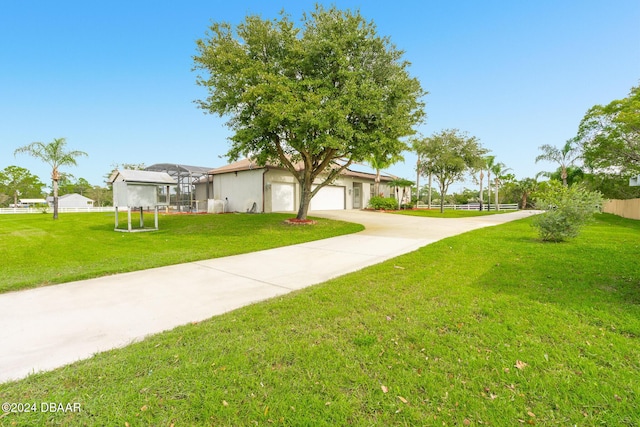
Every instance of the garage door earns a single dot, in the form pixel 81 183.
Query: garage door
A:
pixel 330 197
pixel 281 197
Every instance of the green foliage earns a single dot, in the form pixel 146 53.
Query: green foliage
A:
pixel 311 99
pixel 610 134
pixel 564 156
pixel 572 174
pixel 68 186
pixel 520 192
pixel 101 196
pixel 55 155
pixel 448 155
pixel 466 196
pixel 16 179
pixel 384 203
pixel 568 209
pixel 612 186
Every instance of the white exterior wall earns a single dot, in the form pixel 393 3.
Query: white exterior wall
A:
pixel 280 176
pixel 74 201
pixel 200 195
pixel 248 186
pixel 240 190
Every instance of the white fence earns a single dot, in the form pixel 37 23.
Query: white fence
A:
pixel 472 207
pixel 50 210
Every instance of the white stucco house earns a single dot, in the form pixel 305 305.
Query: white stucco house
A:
pixel 239 185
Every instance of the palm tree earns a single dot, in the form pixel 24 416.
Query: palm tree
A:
pixel 481 181
pixel 564 156
pixel 498 170
pixel 479 168
pixel 489 162
pixel 525 187
pixel 54 155
pixel 398 183
pixel 380 161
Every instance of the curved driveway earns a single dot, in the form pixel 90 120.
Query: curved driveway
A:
pixel 48 327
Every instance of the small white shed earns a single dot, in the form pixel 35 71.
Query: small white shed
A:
pixel 140 189
pixel 73 200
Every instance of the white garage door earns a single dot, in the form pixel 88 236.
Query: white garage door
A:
pixel 330 197
pixel 281 197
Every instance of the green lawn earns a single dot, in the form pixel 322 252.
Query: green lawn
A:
pixel 491 327
pixel 448 213
pixel 36 250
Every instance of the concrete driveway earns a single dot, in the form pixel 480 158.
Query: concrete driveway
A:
pixel 48 327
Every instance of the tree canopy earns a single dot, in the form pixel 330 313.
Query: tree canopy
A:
pixel 55 155
pixel 448 155
pixel 610 135
pixel 17 182
pixel 312 99
pixel 564 156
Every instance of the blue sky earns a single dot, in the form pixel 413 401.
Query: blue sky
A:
pixel 115 77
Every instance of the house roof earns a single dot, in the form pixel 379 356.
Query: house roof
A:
pixel 246 164
pixel 74 195
pixel 142 177
pixel 240 165
pixel 32 200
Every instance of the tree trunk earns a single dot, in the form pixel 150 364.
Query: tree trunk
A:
pixel 55 176
pixel 496 194
pixel 376 186
pixel 488 191
pixel 442 194
pixel 564 176
pixel 305 199
pixel 55 199
pixel 417 182
pixel 523 200
pixel 481 196
pixel 429 192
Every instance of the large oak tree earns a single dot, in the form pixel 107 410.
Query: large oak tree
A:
pixel 312 99
pixel 610 135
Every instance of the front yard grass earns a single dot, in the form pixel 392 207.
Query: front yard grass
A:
pixel 491 327
pixel 36 250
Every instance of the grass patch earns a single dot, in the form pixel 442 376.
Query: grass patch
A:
pixel 448 213
pixel 489 327
pixel 36 250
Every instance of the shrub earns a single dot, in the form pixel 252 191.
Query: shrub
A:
pixel 386 203
pixel 567 210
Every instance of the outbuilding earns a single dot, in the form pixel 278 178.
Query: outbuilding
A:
pixel 72 200
pixel 142 190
